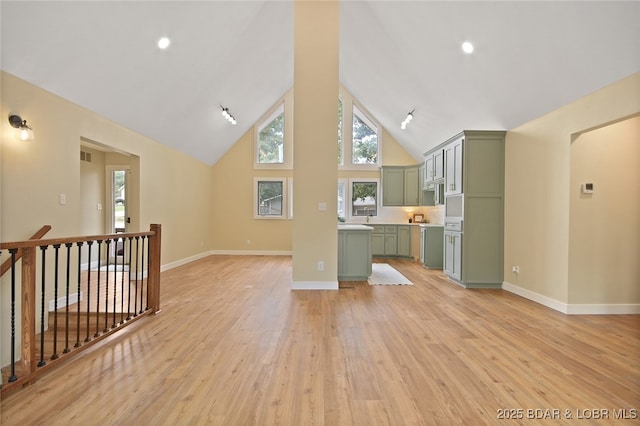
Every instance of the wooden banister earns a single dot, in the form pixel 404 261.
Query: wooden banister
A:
pixel 6 265
pixel 138 283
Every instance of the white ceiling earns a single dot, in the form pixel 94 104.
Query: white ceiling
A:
pixel 530 58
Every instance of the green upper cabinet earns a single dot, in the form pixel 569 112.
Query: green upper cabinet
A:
pixel 453 168
pixel 434 167
pixel 392 186
pixel 400 185
pixel 411 185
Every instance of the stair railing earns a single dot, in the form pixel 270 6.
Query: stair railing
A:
pixel 7 264
pixel 115 281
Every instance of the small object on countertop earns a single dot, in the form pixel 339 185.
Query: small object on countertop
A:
pixel 410 220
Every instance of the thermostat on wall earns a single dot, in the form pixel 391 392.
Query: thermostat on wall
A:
pixel 587 188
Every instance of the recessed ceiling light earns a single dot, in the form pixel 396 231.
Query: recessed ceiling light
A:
pixel 164 42
pixel 467 47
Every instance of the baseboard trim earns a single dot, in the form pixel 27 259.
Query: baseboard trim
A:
pixel 253 252
pixel 603 309
pixel 184 261
pixel 573 309
pixel 535 297
pixel 62 301
pixel 314 285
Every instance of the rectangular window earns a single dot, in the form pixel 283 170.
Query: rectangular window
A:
pixel 364 198
pixel 365 139
pixel 270 198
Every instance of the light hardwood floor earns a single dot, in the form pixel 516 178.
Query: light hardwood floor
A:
pixel 234 345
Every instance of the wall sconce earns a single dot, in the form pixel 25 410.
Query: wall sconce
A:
pixel 407 120
pixel 227 115
pixel 23 131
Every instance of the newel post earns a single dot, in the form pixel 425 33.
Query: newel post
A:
pixel 155 244
pixel 29 308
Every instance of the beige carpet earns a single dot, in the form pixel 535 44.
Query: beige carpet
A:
pixel 385 274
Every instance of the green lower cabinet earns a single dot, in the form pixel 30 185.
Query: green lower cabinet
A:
pixel 391 240
pixel 404 241
pixel 377 244
pixel 431 247
pixel 354 255
pixel 453 254
pixel 390 244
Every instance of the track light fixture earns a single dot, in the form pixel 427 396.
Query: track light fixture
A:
pixel 226 114
pixel 23 131
pixel 407 120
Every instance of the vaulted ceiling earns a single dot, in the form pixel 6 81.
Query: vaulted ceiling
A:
pixel 529 58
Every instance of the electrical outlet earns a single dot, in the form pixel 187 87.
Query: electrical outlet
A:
pixel 320 265
pixel 515 269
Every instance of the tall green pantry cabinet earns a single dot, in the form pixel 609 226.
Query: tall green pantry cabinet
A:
pixel 474 208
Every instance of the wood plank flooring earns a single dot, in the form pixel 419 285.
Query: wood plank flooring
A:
pixel 234 345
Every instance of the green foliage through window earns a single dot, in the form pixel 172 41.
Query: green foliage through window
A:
pixel 271 141
pixel 364 196
pixel 365 141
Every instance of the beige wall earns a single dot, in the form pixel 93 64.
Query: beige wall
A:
pixel 174 190
pixel 235 229
pixel 604 230
pixel 538 189
pixel 92 193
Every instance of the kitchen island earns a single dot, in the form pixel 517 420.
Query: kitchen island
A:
pixel 354 252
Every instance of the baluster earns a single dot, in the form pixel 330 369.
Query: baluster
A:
pixel 79 245
pixel 106 289
pixel 122 284
pixel 135 297
pixel 148 271
pixel 143 279
pixel 115 281
pixel 98 289
pixel 42 362
pixel 129 283
pixel 13 377
pixel 89 244
pixel 66 325
pixel 55 355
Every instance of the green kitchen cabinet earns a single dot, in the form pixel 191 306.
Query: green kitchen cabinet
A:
pixel 400 185
pixel 404 241
pixel 391 240
pixel 453 254
pixel 453 168
pixel 392 186
pixel 474 208
pixel 354 253
pixel 431 246
pixel 434 166
pixel 411 185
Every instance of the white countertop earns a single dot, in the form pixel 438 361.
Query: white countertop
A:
pixel 390 223
pixel 353 227
pixel 427 225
